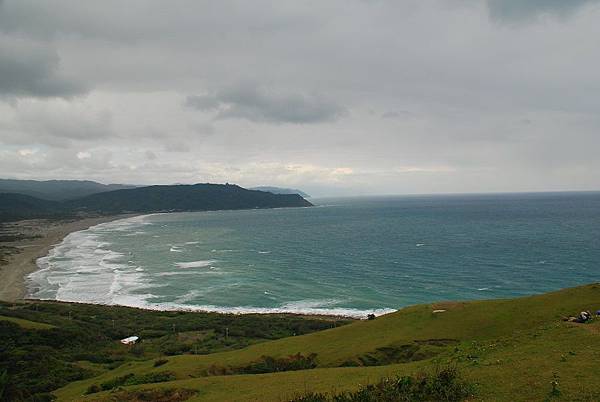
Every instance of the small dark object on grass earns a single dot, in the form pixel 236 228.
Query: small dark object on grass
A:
pixel 371 317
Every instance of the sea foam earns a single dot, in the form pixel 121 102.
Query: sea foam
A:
pixel 195 264
pixel 84 269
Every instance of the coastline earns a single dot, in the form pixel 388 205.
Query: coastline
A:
pixel 40 236
pixel 36 237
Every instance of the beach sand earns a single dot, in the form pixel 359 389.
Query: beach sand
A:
pixel 35 239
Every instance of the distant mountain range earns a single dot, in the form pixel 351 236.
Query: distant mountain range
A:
pixel 280 190
pixel 57 190
pixel 172 198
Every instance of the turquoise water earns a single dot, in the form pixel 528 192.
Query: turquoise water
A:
pixel 346 256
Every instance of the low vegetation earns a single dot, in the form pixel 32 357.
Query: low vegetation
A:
pixel 404 353
pixel 268 364
pixel 46 345
pixel 444 385
pixel 150 395
pixel 131 379
pixel 500 350
pixel 173 198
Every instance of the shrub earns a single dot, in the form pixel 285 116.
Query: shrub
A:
pixel 154 395
pixel 3 382
pixel 137 350
pixel 43 397
pixel 443 385
pixel 92 389
pixel 160 362
pixel 268 364
pixel 132 379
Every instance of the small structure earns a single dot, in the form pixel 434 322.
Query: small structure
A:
pixel 130 341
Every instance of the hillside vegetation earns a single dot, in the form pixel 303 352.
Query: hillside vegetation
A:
pixel 518 349
pixel 20 206
pixel 45 345
pixel 495 350
pixel 197 197
pixel 57 190
pixel 281 190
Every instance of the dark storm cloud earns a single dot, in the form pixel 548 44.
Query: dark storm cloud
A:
pixel 32 70
pixel 524 10
pixel 262 105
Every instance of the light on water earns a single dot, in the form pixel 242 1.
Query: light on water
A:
pixel 345 256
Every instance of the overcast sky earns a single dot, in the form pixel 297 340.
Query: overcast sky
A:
pixel 333 97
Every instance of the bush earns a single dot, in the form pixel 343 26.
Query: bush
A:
pixel 43 397
pixel 268 364
pixel 132 379
pixel 443 385
pixel 137 350
pixel 3 382
pixel 92 389
pixel 154 395
pixel 160 362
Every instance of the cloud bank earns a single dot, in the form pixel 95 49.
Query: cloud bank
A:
pixel 261 105
pixel 334 97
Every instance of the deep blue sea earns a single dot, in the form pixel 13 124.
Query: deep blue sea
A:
pixel 345 256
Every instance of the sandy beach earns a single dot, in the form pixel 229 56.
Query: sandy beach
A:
pixel 34 239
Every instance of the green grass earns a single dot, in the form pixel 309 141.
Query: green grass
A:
pixel 46 345
pixel 26 323
pixel 510 349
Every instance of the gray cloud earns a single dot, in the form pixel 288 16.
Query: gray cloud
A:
pixel 28 69
pixel 525 10
pixel 503 93
pixel 55 123
pixel 263 105
pixel 396 114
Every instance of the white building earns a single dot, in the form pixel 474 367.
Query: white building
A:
pixel 130 341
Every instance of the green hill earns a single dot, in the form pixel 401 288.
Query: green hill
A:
pixel 21 206
pixel 516 349
pixel 197 197
pixel 281 190
pixel 46 345
pixel 57 190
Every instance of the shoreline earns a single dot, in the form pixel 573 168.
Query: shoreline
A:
pixel 40 237
pixel 36 237
pixel 326 317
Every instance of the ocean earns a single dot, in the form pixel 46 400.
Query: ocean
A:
pixel 345 256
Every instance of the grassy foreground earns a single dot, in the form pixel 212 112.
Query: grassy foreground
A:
pixel 517 349
pixel 46 345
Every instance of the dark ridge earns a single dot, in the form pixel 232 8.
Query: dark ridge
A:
pixel 20 206
pixel 57 190
pixel 281 190
pixel 174 198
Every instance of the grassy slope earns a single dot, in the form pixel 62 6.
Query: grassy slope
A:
pixel 26 323
pixel 508 347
